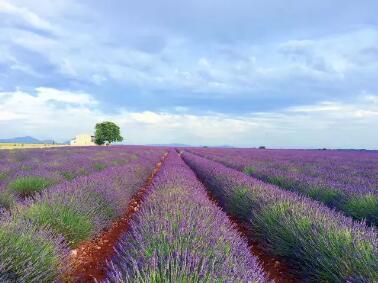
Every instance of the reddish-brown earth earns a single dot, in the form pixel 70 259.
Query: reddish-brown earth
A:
pixel 88 261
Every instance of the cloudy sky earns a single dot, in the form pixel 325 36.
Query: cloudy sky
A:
pixel 241 72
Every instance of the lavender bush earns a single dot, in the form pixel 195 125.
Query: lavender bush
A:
pixel 22 170
pixel 30 254
pixel 179 235
pixel 83 207
pixel 347 181
pixel 320 244
pixel 72 211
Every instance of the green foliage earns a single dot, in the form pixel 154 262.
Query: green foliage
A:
pixel 249 170
pixel 68 175
pixel 28 256
pixel 273 219
pixel 333 252
pixel 99 166
pixel 363 207
pixel 119 161
pixel 342 255
pixel 6 200
pixel 28 185
pixel 107 132
pixel 104 207
pixel 282 182
pixel 329 196
pixel 3 175
pixel 62 219
pixel 240 203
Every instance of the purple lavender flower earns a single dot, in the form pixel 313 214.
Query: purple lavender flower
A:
pixel 179 234
pixel 321 244
pixel 56 165
pixel 347 181
pixel 35 233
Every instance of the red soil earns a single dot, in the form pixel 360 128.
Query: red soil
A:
pixel 88 261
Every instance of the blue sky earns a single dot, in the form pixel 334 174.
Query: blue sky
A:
pixel 243 72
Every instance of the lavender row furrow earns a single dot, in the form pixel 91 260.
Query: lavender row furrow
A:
pixel 319 243
pixel 68 214
pixel 346 181
pixel 179 235
pixel 26 172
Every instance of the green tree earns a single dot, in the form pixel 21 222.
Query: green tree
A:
pixel 107 132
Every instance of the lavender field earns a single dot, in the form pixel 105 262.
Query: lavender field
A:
pixel 344 180
pixel 162 214
pixel 188 141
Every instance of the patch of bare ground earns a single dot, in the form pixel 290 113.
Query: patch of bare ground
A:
pixel 88 261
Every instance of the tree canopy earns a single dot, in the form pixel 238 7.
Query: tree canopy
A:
pixel 107 132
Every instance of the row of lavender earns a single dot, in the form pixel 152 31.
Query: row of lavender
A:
pixel 25 172
pixel 345 180
pixel 179 235
pixel 37 234
pixel 319 243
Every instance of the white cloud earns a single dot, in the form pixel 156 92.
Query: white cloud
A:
pixel 364 107
pixel 327 124
pixel 336 54
pixel 45 94
pixel 99 55
pixel 321 107
pixel 23 113
pixel 371 98
pixel 26 15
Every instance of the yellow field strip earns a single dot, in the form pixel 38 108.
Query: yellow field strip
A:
pixel 25 145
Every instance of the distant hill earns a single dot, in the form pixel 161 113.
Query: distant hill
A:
pixel 27 140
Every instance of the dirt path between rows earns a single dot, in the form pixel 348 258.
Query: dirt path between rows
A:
pixel 89 260
pixel 274 268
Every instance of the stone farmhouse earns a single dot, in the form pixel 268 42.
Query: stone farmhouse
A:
pixel 83 140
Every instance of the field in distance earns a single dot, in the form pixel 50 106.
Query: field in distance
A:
pixel 26 145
